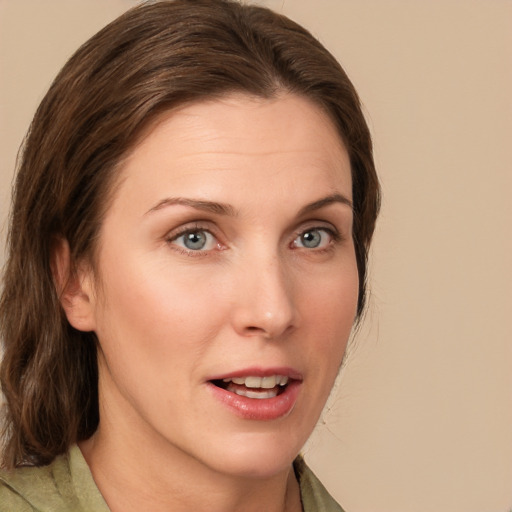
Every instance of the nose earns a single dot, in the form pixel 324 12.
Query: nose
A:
pixel 265 303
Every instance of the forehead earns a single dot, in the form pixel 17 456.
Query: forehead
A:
pixel 218 147
pixel 248 115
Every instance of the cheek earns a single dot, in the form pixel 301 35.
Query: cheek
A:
pixel 332 299
pixel 156 310
pixel 330 313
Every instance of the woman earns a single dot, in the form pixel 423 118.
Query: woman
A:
pixel 187 257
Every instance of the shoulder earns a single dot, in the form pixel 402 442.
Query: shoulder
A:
pixel 315 497
pixel 29 488
pixel 64 485
pixel 10 500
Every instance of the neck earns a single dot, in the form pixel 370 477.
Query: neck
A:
pixel 167 479
pixel 136 467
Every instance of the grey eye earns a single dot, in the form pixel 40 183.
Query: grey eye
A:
pixel 194 241
pixel 313 238
pixel 198 240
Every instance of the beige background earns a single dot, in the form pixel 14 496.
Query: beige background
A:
pixel 422 420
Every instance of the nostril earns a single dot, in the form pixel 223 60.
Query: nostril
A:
pixel 252 330
pixel 267 333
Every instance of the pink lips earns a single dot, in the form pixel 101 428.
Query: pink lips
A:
pixel 260 409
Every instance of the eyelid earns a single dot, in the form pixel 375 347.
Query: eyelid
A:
pixel 186 228
pixel 192 227
pixel 318 224
pixel 333 231
pixel 336 235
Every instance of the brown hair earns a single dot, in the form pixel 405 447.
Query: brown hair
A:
pixel 153 58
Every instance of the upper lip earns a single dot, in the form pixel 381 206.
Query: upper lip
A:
pixel 289 372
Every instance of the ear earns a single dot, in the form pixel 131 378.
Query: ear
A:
pixel 75 287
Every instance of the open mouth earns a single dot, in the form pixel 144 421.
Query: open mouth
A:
pixel 254 387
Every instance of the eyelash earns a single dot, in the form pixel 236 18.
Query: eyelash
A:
pixel 334 234
pixel 172 237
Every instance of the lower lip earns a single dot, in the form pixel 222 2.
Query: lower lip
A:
pixel 260 409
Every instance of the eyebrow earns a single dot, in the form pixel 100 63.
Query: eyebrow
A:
pixel 226 209
pixel 206 206
pixel 326 201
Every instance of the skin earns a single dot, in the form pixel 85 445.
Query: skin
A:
pixel 169 318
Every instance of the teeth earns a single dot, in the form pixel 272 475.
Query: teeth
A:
pixel 255 382
pixel 268 382
pixel 271 393
pixel 259 382
pixel 237 380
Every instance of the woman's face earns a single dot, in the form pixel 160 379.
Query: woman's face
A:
pixel 226 285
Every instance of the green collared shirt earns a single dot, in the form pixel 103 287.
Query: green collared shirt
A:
pixel 66 485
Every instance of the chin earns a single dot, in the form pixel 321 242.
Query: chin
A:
pixel 258 456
